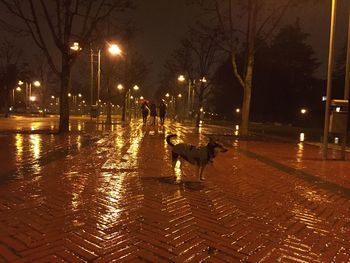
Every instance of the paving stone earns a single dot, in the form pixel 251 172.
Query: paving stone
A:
pixel 114 200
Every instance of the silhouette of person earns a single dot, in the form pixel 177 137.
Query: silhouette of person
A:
pixel 145 111
pixel 162 111
pixel 153 109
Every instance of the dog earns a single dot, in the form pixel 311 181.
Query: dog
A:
pixel 197 155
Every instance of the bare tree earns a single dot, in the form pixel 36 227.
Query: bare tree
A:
pixel 263 17
pixel 198 57
pixel 11 65
pixel 47 80
pixel 59 23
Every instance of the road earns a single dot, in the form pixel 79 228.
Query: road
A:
pixel 105 195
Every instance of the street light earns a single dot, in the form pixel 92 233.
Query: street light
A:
pixel 120 87
pixel 28 91
pixel 181 78
pixel 113 50
pixel 329 79
pixel 75 46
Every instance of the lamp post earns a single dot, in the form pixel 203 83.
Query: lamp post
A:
pixel 346 89
pixel 181 78
pixel 329 79
pixel 136 89
pixel 113 50
pixel 28 92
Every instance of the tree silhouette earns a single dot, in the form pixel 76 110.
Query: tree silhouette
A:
pixel 57 23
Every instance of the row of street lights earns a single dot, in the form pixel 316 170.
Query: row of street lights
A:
pixel 28 97
pixel 191 91
pixel 114 50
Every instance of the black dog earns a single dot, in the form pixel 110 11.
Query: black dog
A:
pixel 197 155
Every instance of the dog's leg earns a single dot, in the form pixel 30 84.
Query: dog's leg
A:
pixel 201 172
pixel 174 157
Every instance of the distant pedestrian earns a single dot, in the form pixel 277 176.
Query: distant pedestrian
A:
pixel 145 111
pixel 153 109
pixel 162 111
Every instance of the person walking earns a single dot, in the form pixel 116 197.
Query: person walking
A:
pixel 153 113
pixel 145 111
pixel 162 111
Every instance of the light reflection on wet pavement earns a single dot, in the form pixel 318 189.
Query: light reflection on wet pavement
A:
pixel 114 196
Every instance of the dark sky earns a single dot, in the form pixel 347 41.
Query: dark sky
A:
pixel 164 23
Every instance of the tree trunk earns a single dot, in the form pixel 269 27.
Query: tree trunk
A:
pixel 200 105
pixel 246 107
pixel 7 102
pixel 248 79
pixel 124 106
pixel 64 103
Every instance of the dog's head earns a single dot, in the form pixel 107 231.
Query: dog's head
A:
pixel 214 148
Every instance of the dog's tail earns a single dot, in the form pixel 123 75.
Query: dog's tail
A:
pixel 168 139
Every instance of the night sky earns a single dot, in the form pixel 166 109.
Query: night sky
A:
pixel 164 22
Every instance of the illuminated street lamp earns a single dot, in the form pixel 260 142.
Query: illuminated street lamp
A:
pixel 181 78
pixel 75 47
pixel 113 50
pixel 18 89
pixel 32 98
pixel 329 79
pixel 204 80
pixel 303 111
pixel 28 91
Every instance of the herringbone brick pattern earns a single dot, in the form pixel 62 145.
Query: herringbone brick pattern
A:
pixel 117 201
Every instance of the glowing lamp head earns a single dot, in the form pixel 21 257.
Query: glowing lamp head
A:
pixel 114 49
pixel 181 78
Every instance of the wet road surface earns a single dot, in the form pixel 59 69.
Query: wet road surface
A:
pixel 114 196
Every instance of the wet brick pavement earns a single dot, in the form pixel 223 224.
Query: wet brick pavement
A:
pixel 117 198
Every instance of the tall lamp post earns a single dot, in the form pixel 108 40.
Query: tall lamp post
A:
pixel 113 50
pixel 181 78
pixel 329 79
pixel 28 92
pixel 346 89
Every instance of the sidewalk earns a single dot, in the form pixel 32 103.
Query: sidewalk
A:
pixel 119 199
